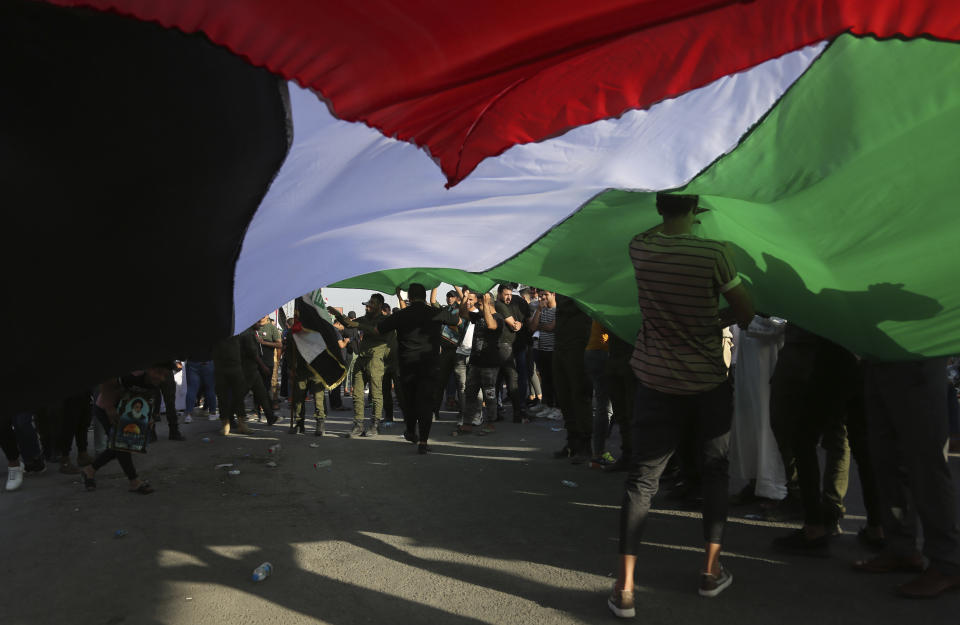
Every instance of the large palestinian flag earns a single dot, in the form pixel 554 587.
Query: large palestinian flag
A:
pixel 212 158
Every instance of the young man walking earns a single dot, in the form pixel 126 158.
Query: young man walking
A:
pixel 418 327
pixel 682 381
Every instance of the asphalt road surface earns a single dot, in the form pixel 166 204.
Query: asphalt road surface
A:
pixel 479 531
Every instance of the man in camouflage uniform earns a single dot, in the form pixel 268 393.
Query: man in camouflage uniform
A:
pixel 304 382
pixel 370 366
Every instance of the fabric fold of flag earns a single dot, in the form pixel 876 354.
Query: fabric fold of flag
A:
pixel 316 340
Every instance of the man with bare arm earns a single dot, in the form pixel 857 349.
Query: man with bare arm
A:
pixel 682 381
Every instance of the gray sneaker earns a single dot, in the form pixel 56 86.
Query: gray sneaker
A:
pixel 356 431
pixel 621 604
pixel 712 585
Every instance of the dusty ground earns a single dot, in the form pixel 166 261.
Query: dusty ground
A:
pixel 480 531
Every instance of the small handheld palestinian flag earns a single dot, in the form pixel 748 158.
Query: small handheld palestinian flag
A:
pixel 316 340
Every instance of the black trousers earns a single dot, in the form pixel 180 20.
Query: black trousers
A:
pixel 8 440
pixel 418 383
pixel 447 362
pixel 231 389
pixel 545 367
pixel 659 422
pixel 253 380
pixel 284 378
pixel 265 377
pixel 77 415
pixel 391 381
pixel 508 369
pixel 811 386
pixel 622 387
pixel 907 421
pixel 168 390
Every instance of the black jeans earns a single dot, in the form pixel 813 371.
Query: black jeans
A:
pixel 123 457
pixel 419 382
pixel 508 368
pixel 480 379
pixel 544 362
pixel 659 421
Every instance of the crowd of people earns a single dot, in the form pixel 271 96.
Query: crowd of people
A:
pixel 688 415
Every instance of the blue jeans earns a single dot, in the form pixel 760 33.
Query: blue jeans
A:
pixel 200 373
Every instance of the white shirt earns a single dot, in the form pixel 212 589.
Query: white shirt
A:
pixel 466 345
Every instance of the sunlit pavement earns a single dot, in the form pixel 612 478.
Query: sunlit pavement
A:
pixel 480 531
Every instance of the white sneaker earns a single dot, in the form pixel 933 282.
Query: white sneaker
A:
pixel 187 419
pixel 536 409
pixel 555 414
pixel 213 417
pixel 14 477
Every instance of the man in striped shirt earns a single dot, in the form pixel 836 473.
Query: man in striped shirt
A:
pixel 678 362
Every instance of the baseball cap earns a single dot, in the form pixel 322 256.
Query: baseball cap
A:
pixel 374 296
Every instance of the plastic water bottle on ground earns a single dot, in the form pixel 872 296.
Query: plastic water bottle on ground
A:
pixel 274 452
pixel 262 572
pixel 322 464
pixel 568 483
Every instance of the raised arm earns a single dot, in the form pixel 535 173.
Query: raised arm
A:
pixel 488 312
pixel 339 316
pixel 464 311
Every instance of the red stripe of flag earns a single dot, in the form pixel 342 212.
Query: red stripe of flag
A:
pixel 469 80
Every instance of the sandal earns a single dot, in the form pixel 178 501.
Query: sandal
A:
pixel 88 482
pixel 461 430
pixel 143 489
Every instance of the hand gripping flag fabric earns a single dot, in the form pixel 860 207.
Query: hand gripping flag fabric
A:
pixel 316 341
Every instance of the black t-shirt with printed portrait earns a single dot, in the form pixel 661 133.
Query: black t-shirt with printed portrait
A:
pixel 485 351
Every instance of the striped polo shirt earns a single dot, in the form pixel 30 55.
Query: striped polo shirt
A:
pixel 679 349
